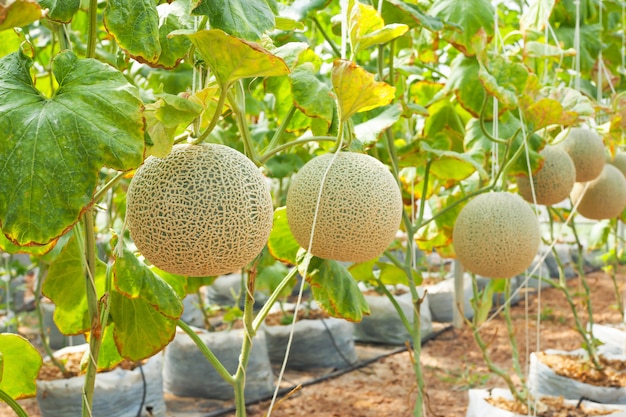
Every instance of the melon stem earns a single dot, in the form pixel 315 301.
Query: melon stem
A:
pixel 216 116
pixel 14 405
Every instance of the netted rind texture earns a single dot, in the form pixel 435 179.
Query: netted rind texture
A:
pixel 586 149
pixel 605 197
pixel 496 235
pixel 554 181
pixel 203 210
pixel 360 209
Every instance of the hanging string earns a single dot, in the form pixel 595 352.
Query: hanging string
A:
pixel 307 257
pixel 577 47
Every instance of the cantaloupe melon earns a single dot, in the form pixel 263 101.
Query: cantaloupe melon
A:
pixel 586 149
pixel 203 210
pixel 359 212
pixel 605 197
pixel 554 181
pixel 496 235
pixel 619 161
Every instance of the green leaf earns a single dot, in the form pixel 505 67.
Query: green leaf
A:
pixel 178 283
pixel 140 331
pixel 367 28
pixel 18 13
pixel 134 279
pixel 367 132
pixel 444 122
pixel 54 148
pixel 270 276
pixel 173 16
pixel 109 357
pixel 7 246
pixel 390 274
pixel 451 165
pixel 65 285
pixel 590 44
pixel 357 90
pixel 364 271
pixel 232 59
pixel 282 245
pixel 21 364
pixel 247 19
pixel 398 11
pixel 599 235
pixel 10 41
pixel 335 290
pixel 60 10
pixel 195 283
pixel 475 18
pixel 464 82
pixel 310 95
pixel 536 15
pixel 503 79
pixel 542 50
pixel 299 9
pixel 135 26
pixel 283 165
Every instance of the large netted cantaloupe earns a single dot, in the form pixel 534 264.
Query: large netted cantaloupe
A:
pixel 553 182
pixel 496 235
pixel 203 210
pixel 605 196
pixel 359 212
pixel 586 149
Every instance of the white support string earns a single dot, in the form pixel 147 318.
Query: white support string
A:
pixel 577 47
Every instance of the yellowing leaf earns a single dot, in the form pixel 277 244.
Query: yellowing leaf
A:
pixel 367 28
pixel 232 59
pixel 18 13
pixel 357 90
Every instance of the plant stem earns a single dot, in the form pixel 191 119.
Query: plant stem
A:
pixel 93 29
pixel 15 406
pixel 238 103
pixel 262 314
pixel 39 312
pixel 281 129
pixel 511 334
pixel 106 187
pixel 95 334
pixel 481 119
pixel 210 356
pixel 296 142
pixel 615 266
pixel 334 47
pixel 216 116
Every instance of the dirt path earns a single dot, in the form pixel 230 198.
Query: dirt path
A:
pixel 452 364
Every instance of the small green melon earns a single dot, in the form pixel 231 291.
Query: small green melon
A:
pixel 359 211
pixel 605 197
pixel 586 149
pixel 203 210
pixel 496 235
pixel 554 181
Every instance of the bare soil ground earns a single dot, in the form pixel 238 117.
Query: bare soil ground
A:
pixel 452 364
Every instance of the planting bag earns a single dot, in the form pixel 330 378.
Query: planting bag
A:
pixel 542 380
pixel 479 407
pixel 117 393
pixel 384 325
pixel 187 373
pixel 327 343
pixel 441 299
pixel 613 339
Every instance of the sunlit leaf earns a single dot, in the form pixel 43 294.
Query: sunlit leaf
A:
pixel 10 41
pixel 543 50
pixel 473 17
pixel 367 132
pixel 231 58
pixel 282 245
pixel 140 331
pixel 423 92
pixel 312 96
pixel 60 10
pixel 134 279
pixel 21 364
pixel 247 19
pixel 536 15
pixel 367 28
pixel 450 165
pixel 66 286
pixel 173 16
pixel 503 79
pixel 18 13
pixel 135 26
pixel 335 290
pixel 109 357
pixel 54 148
pixel 398 11
pixel 7 246
pixel 357 90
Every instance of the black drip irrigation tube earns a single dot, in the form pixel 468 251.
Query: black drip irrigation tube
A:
pixel 331 375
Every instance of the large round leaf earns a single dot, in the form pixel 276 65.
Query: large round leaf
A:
pixel 54 147
pixel 21 363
